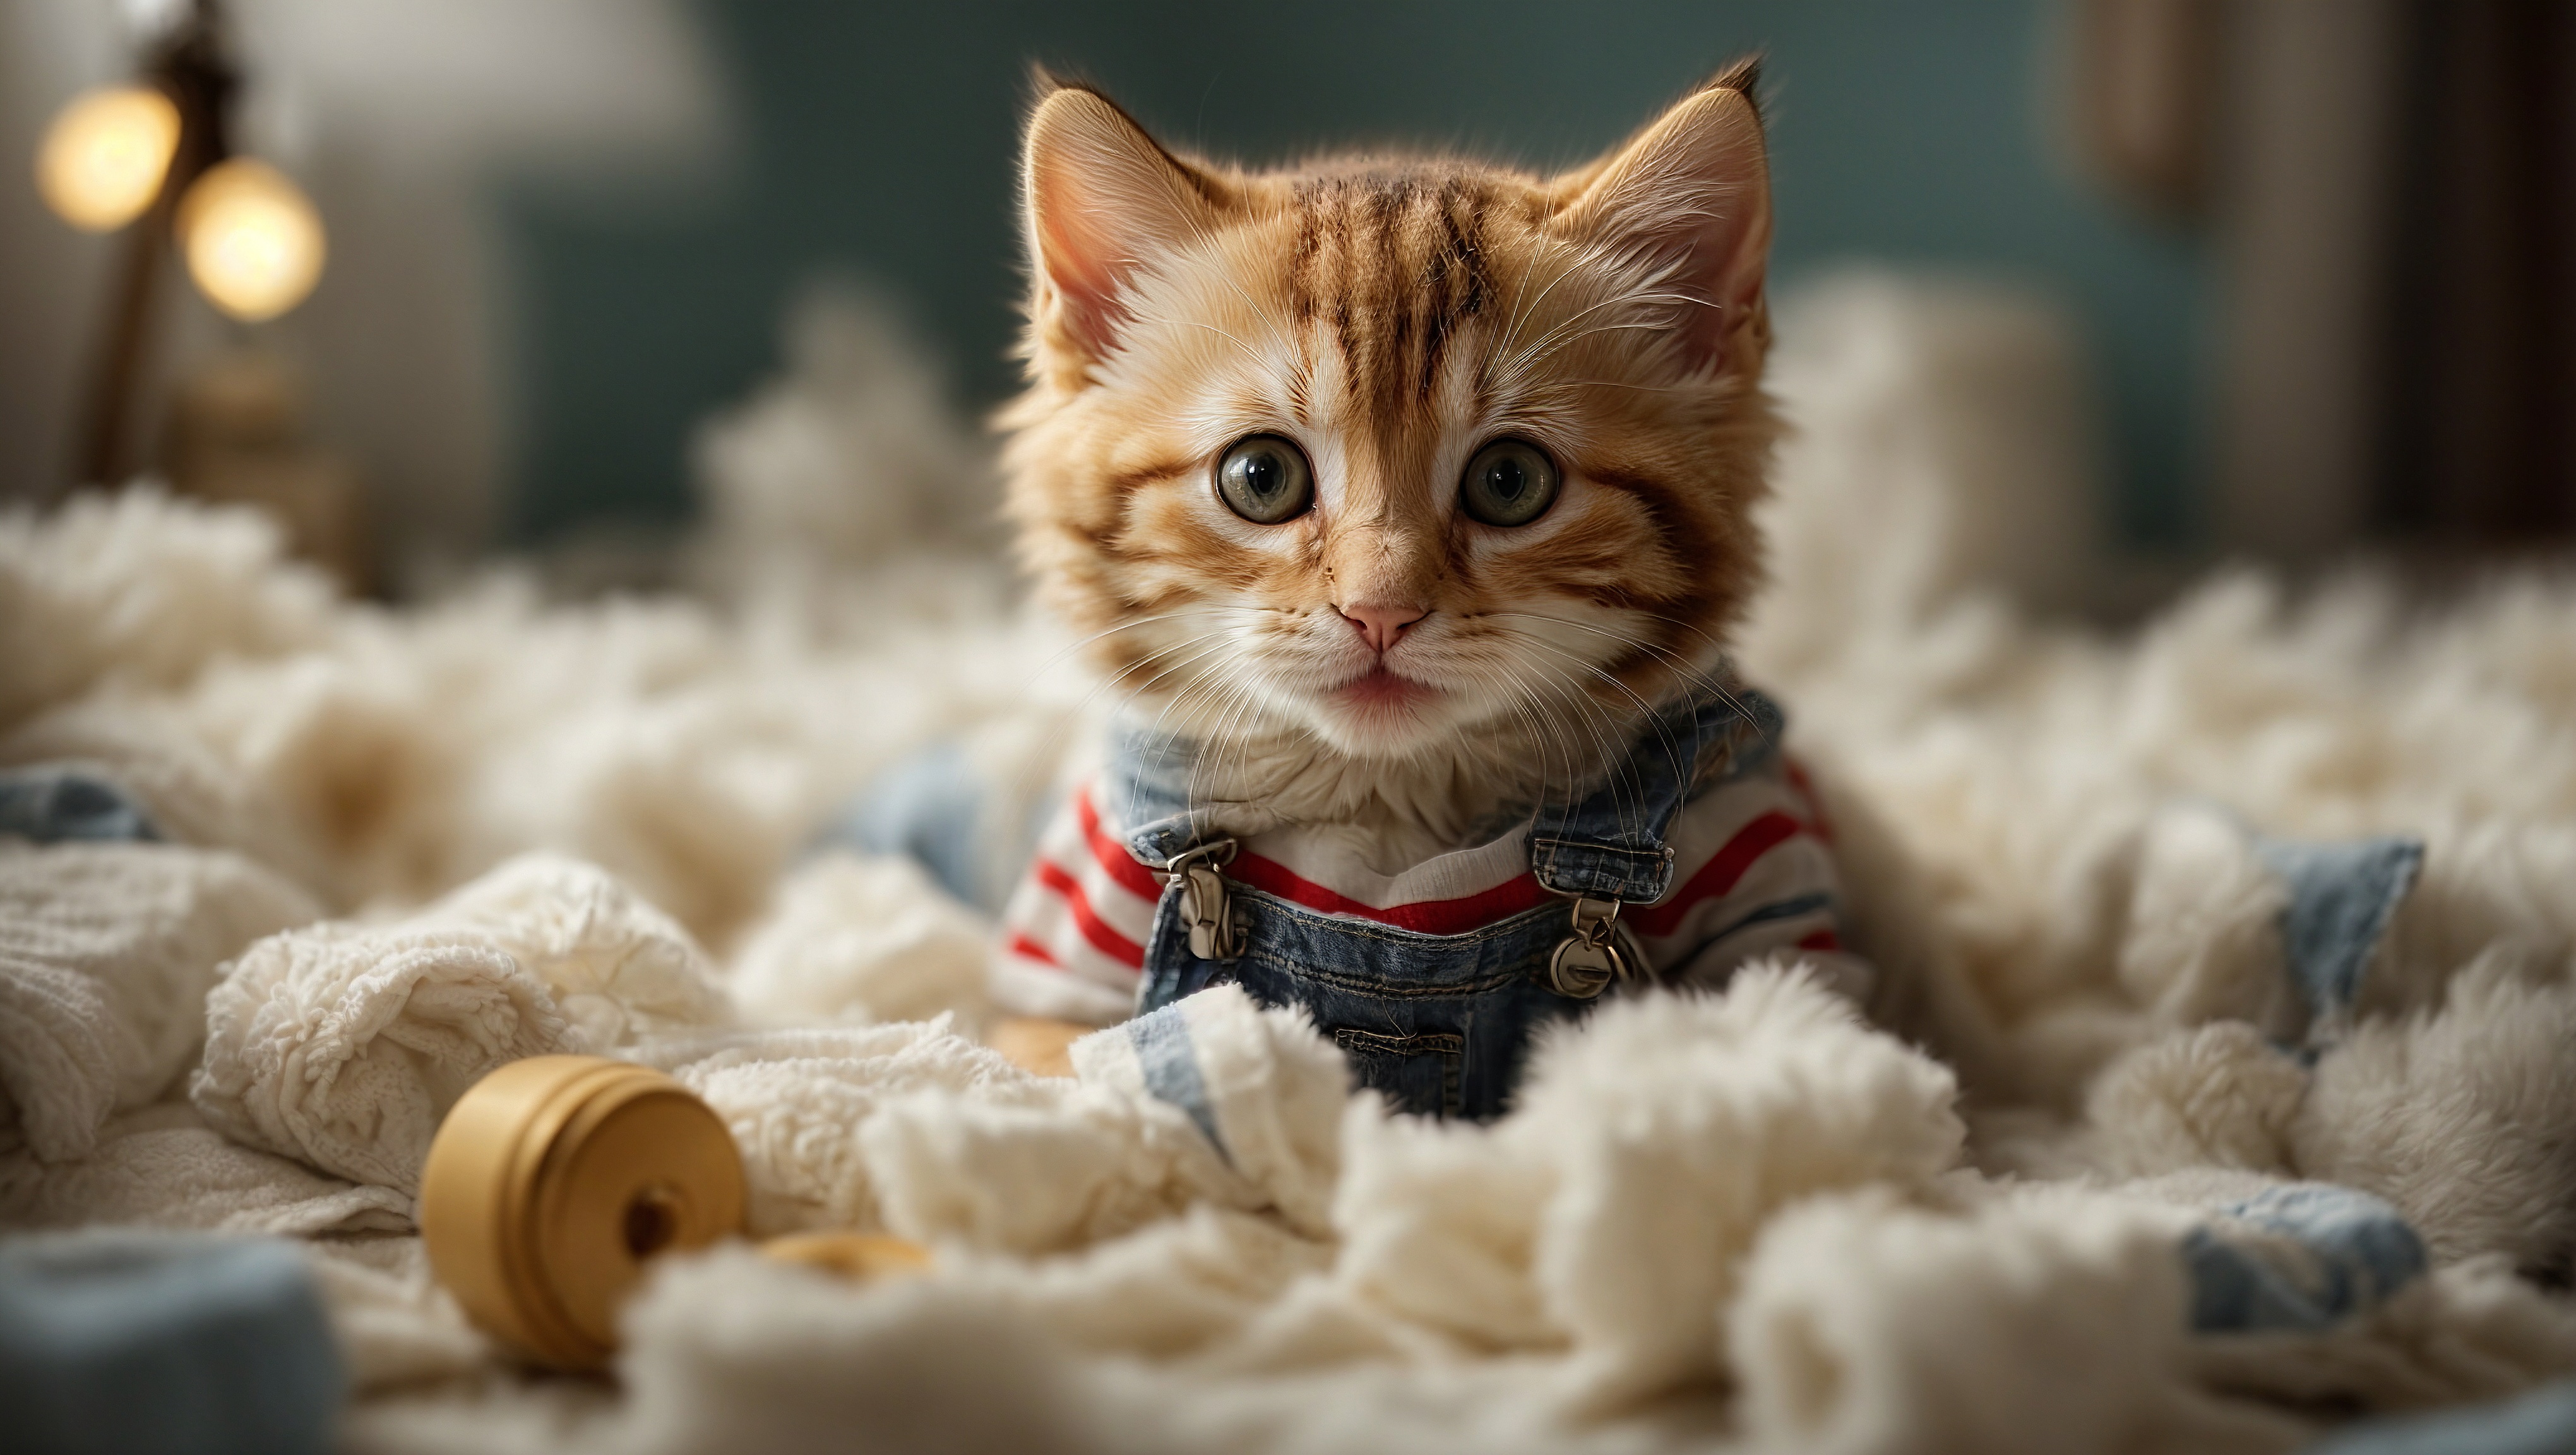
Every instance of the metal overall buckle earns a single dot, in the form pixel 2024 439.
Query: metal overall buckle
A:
pixel 1206 907
pixel 1597 953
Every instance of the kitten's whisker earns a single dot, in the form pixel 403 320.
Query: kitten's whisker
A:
pixel 1523 704
pixel 1177 701
pixel 1691 673
pixel 1075 714
pixel 1225 696
pixel 1558 386
pixel 1220 643
pixel 1684 665
pixel 1052 744
pixel 1235 750
pixel 1521 317
pixel 1528 354
pixel 1207 236
pixel 1645 709
pixel 1725 689
pixel 1147 686
pixel 1237 701
pixel 1255 354
pixel 1520 291
pixel 1158 653
pixel 1531 709
pixel 1609 755
pixel 1056 658
pixel 1588 257
pixel 1165 744
pixel 1560 345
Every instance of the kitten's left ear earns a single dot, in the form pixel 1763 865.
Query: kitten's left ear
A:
pixel 1691 195
pixel 1103 200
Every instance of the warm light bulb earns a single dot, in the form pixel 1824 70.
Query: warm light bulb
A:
pixel 253 243
pixel 102 160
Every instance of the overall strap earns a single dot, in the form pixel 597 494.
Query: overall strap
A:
pixel 1148 781
pixel 1610 844
pixel 1147 784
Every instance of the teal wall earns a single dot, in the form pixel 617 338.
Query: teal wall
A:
pixel 878 139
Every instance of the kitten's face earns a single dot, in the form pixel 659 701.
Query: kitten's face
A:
pixel 1393 451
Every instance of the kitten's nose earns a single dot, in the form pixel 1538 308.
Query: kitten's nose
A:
pixel 1379 626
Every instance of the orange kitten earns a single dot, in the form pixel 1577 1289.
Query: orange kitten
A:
pixel 1375 324
pixel 1406 503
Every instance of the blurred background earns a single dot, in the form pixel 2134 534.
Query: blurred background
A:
pixel 2314 256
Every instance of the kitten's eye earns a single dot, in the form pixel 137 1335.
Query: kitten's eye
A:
pixel 1510 482
pixel 1265 480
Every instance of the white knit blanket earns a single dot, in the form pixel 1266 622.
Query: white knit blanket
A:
pixel 2094 1174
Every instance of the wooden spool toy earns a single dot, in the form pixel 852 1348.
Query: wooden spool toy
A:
pixel 557 1179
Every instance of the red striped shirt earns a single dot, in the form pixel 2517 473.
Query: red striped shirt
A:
pixel 1752 875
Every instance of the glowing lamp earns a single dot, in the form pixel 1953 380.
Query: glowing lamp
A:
pixel 161 152
pixel 252 240
pixel 102 161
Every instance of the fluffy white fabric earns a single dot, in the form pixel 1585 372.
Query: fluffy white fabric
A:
pixel 2048 1320
pixel 1752 1219
pixel 106 594
pixel 853 457
pixel 912 1128
pixel 619 969
pixel 2458 1116
pixel 386 759
pixel 343 1044
pixel 798 1102
pixel 856 938
pixel 164 1167
pixel 1609 1215
pixel 1274 1095
pixel 191 793
pixel 106 954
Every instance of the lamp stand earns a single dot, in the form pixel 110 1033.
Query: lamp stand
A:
pixel 189 67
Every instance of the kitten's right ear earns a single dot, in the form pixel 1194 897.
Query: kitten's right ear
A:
pixel 1690 196
pixel 1102 200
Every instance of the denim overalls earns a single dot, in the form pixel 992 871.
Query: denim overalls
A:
pixel 1439 1023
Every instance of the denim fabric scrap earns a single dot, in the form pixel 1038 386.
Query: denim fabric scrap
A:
pixel 926 806
pixel 54 804
pixel 165 1344
pixel 2541 1422
pixel 1171 1065
pixel 2341 899
pixel 2302 1257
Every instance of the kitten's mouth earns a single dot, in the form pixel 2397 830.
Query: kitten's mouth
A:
pixel 1381 689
